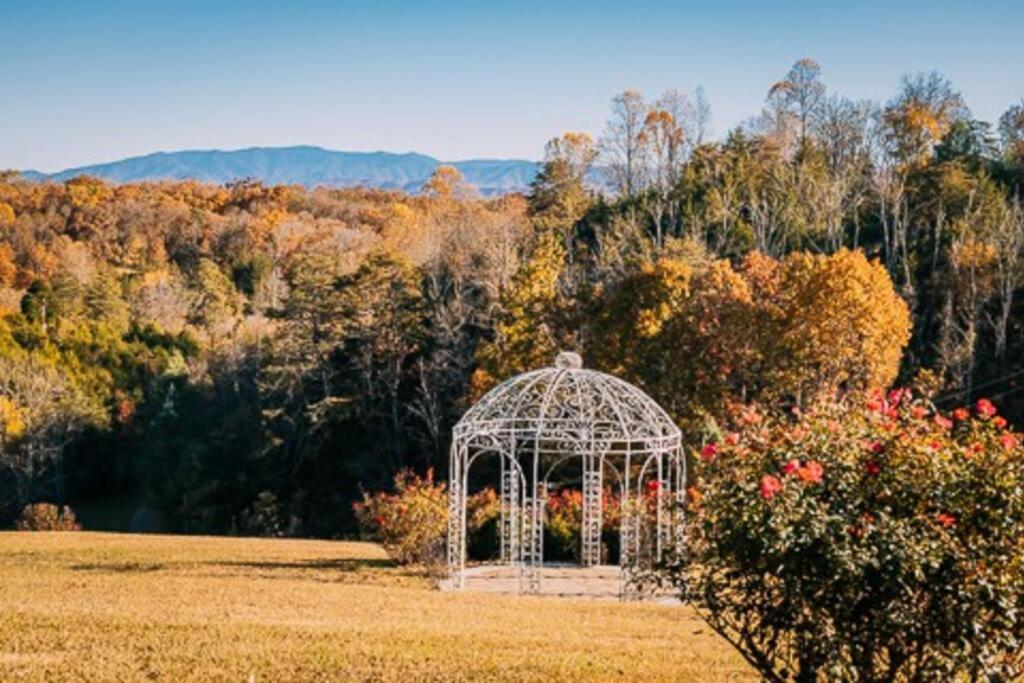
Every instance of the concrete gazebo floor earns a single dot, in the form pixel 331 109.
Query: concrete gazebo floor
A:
pixel 601 582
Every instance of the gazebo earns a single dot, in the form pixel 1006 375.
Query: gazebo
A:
pixel 569 426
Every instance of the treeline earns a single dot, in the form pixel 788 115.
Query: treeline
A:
pixel 246 358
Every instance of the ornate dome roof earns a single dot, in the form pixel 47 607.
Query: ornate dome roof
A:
pixel 567 406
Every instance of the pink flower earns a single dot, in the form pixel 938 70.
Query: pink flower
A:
pixel 876 447
pixel 1008 440
pixel 791 467
pixel 999 422
pixel 709 452
pixel 943 422
pixel 896 396
pixel 985 408
pixel 770 486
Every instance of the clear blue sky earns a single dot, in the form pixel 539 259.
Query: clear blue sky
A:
pixel 90 81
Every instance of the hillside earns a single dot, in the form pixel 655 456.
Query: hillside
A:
pixel 88 606
pixel 308 166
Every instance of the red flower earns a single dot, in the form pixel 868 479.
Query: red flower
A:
pixel 875 405
pixel 709 452
pixel 812 472
pixel 873 467
pixel 999 422
pixel 945 520
pixel 961 414
pixel 653 485
pixel 791 467
pixel 943 422
pixel 876 447
pixel 985 408
pixel 1009 441
pixel 770 486
pixel 732 438
pixel 919 411
pixel 895 396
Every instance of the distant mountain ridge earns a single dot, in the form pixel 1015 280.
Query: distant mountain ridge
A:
pixel 306 165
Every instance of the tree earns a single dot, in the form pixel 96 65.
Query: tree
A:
pixel 799 95
pixel 531 328
pixel 1011 129
pixel 383 328
pixel 920 116
pixel 624 144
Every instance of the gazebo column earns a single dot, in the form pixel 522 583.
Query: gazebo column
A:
pixel 533 540
pixel 510 514
pixel 456 517
pixel 590 530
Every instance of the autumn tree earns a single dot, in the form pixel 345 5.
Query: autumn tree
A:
pixel 799 95
pixel 623 144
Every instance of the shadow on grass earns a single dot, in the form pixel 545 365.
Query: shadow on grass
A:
pixel 119 567
pixel 345 565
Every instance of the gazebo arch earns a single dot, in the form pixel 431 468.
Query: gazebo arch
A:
pixel 537 422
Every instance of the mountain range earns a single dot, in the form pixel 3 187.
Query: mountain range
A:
pixel 308 166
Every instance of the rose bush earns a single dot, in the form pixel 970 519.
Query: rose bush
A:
pixel 411 522
pixel 872 542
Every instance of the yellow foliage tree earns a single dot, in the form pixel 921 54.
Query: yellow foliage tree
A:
pixel 791 331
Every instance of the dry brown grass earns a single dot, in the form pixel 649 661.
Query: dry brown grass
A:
pixel 96 607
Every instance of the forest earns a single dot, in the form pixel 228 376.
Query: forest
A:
pixel 249 359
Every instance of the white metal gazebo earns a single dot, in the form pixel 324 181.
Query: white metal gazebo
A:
pixel 567 423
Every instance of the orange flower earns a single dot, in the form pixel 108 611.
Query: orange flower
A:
pixel 732 438
pixel 999 422
pixel 812 472
pixel 945 520
pixel 961 414
pixel 1009 441
pixel 695 496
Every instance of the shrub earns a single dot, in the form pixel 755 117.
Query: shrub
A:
pixel 562 527
pixel 410 523
pixel 47 517
pixel 483 512
pixel 264 517
pixel 872 542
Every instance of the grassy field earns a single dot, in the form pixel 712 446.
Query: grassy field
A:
pixel 95 607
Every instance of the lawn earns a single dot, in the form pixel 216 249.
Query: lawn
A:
pixel 94 606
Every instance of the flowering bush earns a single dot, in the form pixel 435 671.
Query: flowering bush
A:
pixel 564 521
pixel 412 522
pixel 47 517
pixel 872 542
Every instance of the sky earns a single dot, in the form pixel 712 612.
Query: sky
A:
pixel 85 82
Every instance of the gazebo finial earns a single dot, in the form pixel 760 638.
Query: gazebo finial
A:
pixel 568 359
